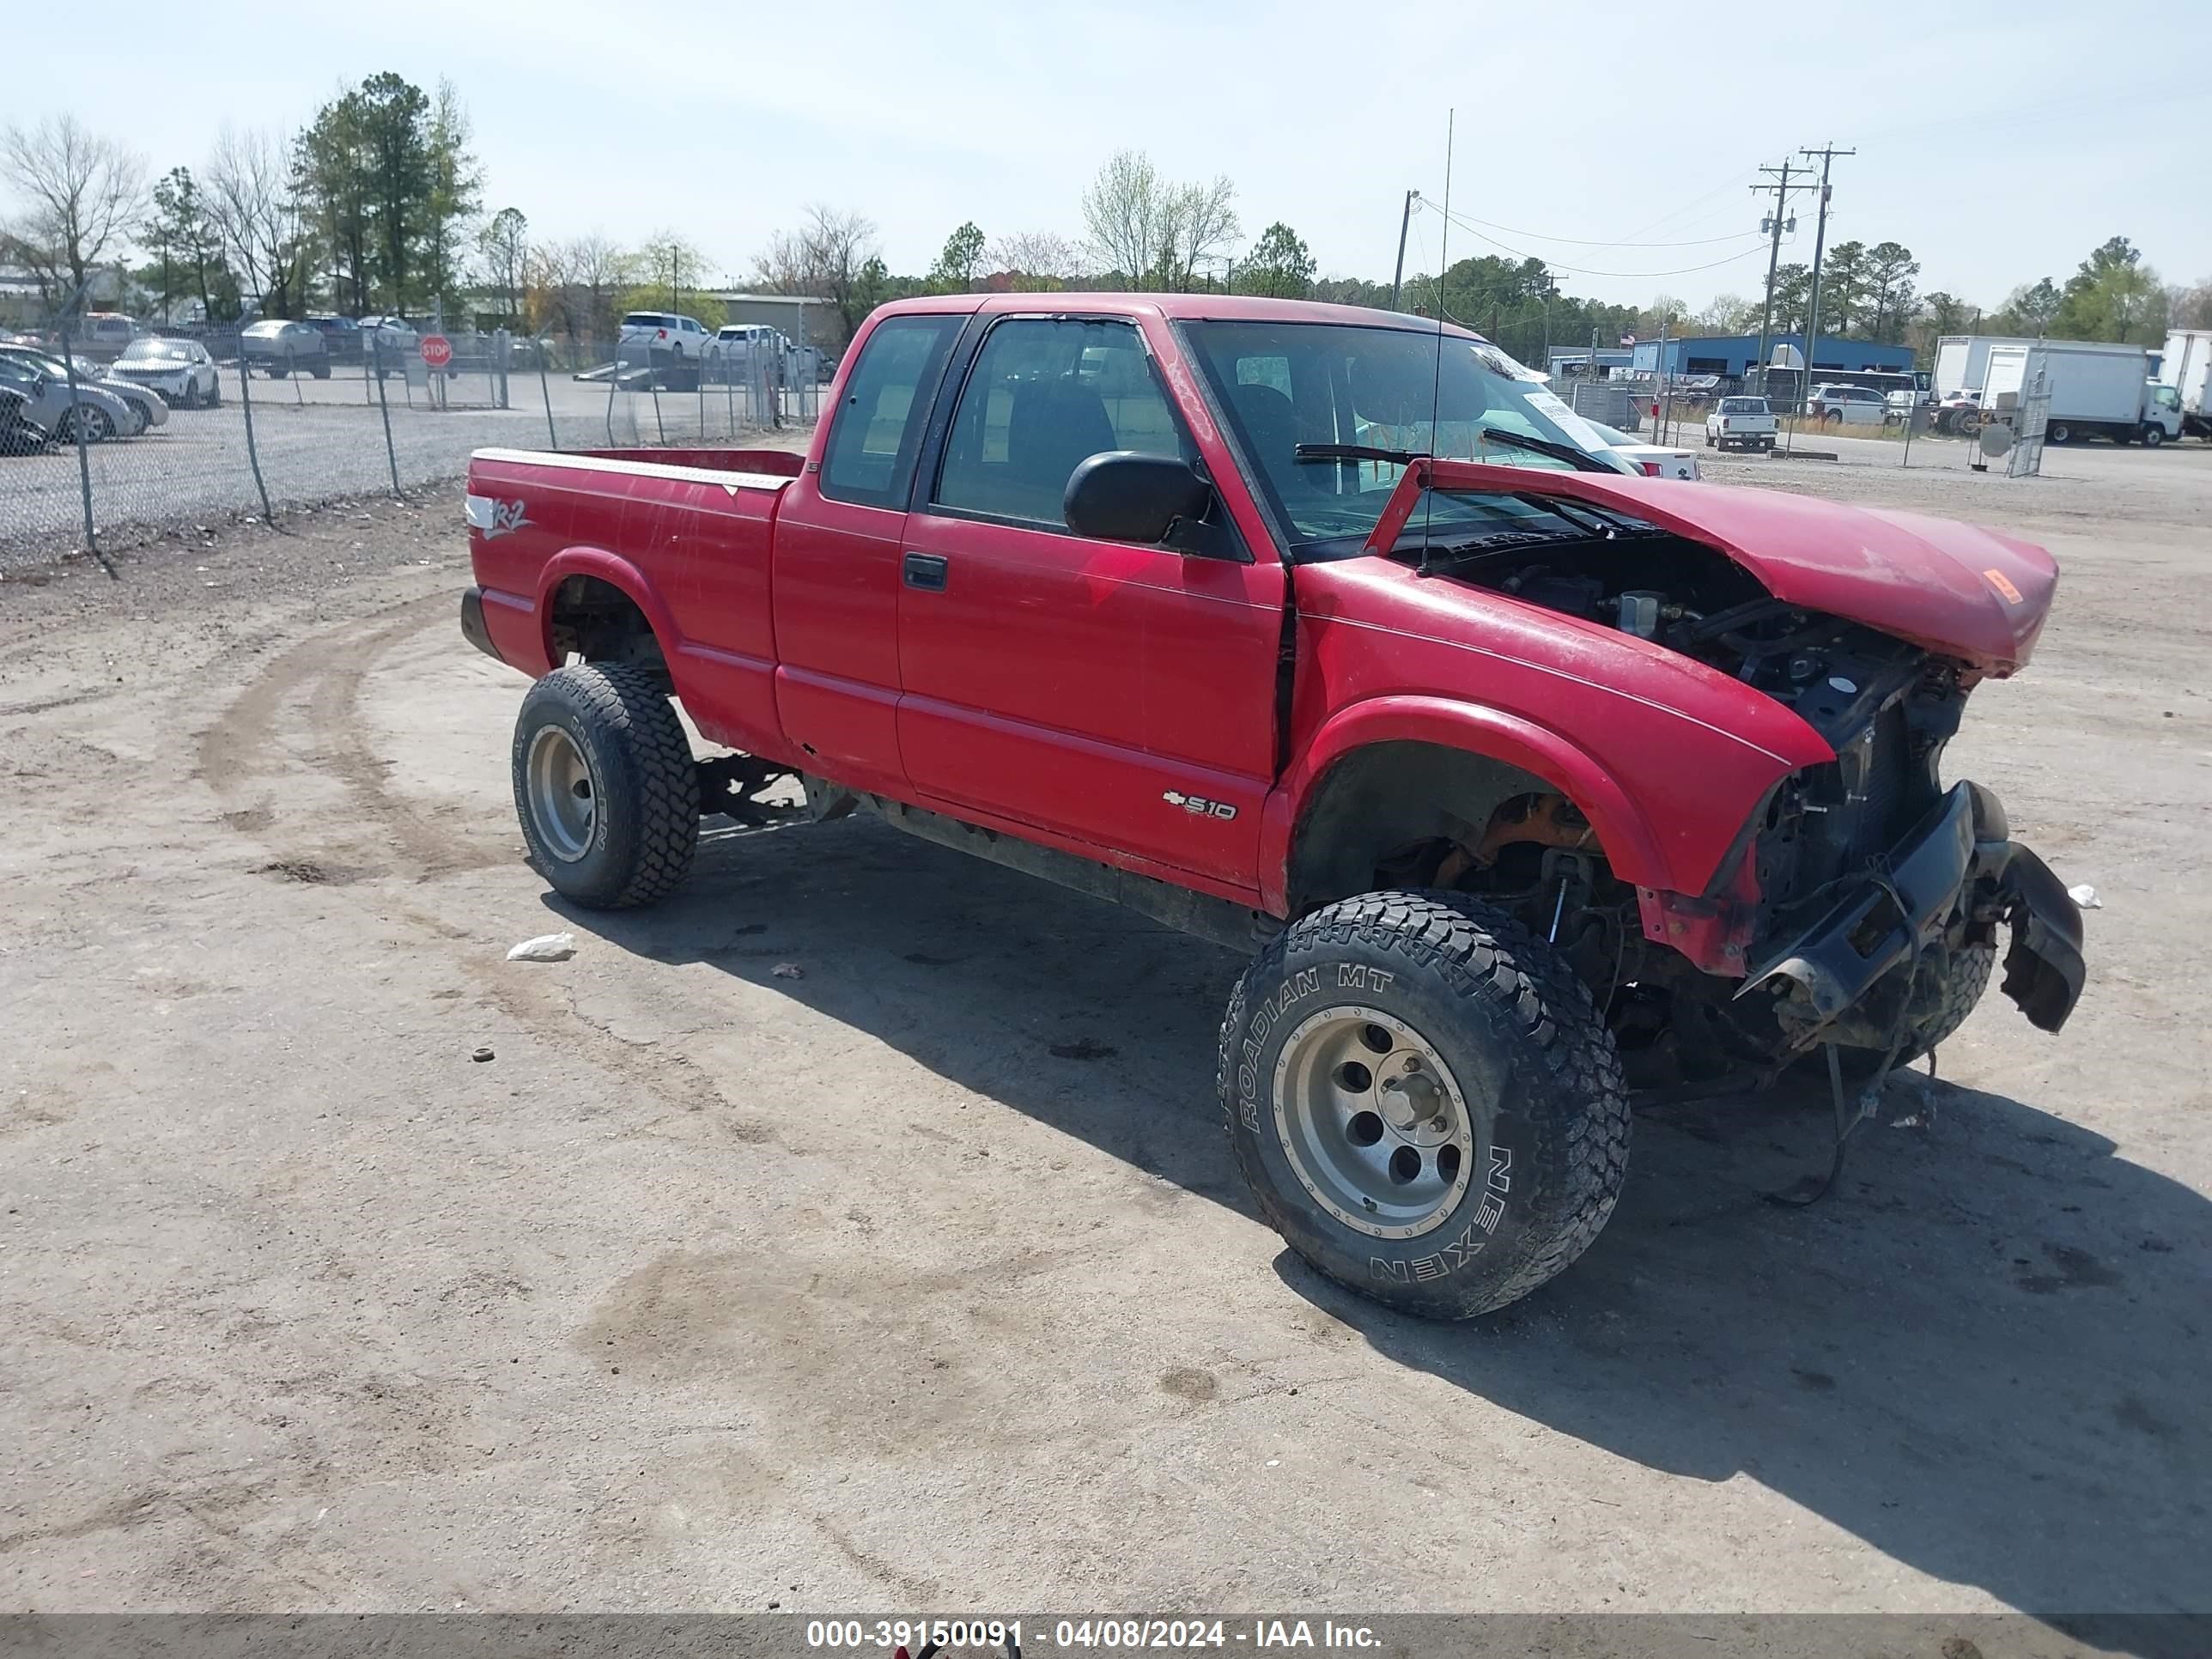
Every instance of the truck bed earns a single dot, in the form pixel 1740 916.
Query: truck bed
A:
pixel 685 533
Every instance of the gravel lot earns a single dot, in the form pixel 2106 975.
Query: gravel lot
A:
pixel 323 440
pixel 924 1280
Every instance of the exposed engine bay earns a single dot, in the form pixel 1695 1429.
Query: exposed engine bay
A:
pixel 1888 707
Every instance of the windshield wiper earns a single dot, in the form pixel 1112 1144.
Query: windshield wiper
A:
pixel 1581 460
pixel 1355 453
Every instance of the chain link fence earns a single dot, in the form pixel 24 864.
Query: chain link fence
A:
pixel 185 427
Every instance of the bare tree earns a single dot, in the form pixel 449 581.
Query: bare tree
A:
pixel 1200 226
pixel 581 279
pixel 1126 210
pixel 834 256
pixel 250 203
pixel 1152 231
pixel 81 194
pixel 1043 258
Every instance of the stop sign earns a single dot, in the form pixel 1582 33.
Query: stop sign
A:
pixel 437 350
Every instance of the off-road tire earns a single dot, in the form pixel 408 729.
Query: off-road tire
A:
pixel 644 781
pixel 1542 1082
pixel 1965 979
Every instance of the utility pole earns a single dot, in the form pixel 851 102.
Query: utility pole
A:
pixel 1775 227
pixel 1405 221
pixel 1819 241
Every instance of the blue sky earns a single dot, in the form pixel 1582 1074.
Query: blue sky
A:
pixel 1999 147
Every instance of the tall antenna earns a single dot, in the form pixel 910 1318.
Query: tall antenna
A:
pixel 1437 380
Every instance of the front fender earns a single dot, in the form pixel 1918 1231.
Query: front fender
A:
pixel 1635 851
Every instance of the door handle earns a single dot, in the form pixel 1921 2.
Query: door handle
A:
pixel 925 571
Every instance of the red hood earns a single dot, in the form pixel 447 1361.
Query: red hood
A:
pixel 1954 588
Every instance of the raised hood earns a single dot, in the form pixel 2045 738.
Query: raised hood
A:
pixel 1954 588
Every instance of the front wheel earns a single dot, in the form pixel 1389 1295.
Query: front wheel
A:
pixel 91 424
pixel 321 371
pixel 1424 1101
pixel 2154 436
pixel 604 786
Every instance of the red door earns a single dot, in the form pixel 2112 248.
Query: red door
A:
pixel 837 553
pixel 1116 695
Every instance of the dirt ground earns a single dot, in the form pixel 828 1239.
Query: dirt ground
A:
pixel 924 1280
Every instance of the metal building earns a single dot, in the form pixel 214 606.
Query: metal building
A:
pixel 1734 354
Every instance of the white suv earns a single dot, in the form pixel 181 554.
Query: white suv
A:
pixel 663 331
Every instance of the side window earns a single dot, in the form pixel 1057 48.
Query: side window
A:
pixel 1046 394
pixel 870 459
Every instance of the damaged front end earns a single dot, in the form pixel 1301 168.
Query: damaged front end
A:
pixel 1855 977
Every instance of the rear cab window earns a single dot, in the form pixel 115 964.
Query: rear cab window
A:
pixel 1046 394
pixel 876 434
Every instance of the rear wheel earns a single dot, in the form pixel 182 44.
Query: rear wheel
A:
pixel 1424 1101
pixel 2060 432
pixel 321 371
pixel 605 784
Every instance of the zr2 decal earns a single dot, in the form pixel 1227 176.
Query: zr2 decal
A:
pixel 494 518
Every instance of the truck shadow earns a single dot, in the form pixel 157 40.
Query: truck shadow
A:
pixel 1984 1354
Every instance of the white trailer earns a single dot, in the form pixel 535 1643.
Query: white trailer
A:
pixel 1962 362
pixel 2097 390
pixel 2186 367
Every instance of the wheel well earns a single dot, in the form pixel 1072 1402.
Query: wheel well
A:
pixel 1392 807
pixel 593 619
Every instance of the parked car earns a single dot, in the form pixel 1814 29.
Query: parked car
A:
pixel 1517 780
pixel 103 334
pixel 19 433
pixel 1739 422
pixel 1960 412
pixel 388 342
pixel 673 345
pixel 1847 405
pixel 99 414
pixel 278 347
pixel 142 405
pixel 1652 461
pixel 341 336
pixel 180 370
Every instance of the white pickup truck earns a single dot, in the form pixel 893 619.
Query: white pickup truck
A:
pixel 1740 423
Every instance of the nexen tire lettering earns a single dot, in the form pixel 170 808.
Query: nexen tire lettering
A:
pixel 1458 1252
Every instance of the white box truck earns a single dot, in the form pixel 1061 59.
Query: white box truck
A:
pixel 2097 390
pixel 2187 367
pixel 1962 360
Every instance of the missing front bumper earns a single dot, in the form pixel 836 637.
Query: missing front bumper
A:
pixel 1957 862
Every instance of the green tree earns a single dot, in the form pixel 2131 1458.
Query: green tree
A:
pixel 504 241
pixel 1793 297
pixel 394 157
pixel 1890 268
pixel 2029 309
pixel 1941 314
pixel 177 234
pixel 2113 295
pixel 1844 284
pixel 1279 266
pixel 335 163
pixel 456 192
pixel 670 274
pixel 957 265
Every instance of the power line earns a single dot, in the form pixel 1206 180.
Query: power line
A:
pixel 1584 270
pixel 1583 241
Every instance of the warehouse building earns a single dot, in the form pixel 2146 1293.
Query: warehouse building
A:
pixel 1735 354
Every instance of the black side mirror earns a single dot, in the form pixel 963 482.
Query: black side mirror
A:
pixel 1120 495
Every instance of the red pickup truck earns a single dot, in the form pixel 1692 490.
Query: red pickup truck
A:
pixel 1522 779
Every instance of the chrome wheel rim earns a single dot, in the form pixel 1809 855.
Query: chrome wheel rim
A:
pixel 563 796
pixel 1374 1123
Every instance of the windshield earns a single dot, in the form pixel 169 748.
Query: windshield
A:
pixel 1288 383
